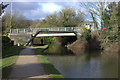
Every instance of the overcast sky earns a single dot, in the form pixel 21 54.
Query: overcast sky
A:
pixel 38 10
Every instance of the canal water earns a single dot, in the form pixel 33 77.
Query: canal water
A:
pixel 86 65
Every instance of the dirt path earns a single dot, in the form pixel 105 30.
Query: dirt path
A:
pixel 28 66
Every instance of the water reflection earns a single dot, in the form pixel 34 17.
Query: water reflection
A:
pixel 95 65
pixel 57 50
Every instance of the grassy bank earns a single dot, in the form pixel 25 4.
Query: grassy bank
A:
pixel 54 73
pixel 9 56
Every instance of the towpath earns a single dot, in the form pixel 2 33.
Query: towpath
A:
pixel 28 66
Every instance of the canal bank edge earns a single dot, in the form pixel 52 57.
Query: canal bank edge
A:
pixel 54 73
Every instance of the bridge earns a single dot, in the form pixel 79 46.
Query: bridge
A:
pixel 43 32
pixel 48 30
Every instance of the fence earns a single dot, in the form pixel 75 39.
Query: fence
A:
pixel 34 30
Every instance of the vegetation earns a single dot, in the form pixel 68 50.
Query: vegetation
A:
pixel 110 35
pixel 18 21
pixel 86 34
pixel 6 41
pixel 9 55
pixel 107 15
pixel 2 7
pixel 111 22
pixel 48 66
pixel 95 10
pixel 67 17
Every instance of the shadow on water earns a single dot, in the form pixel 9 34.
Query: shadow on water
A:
pixel 91 55
pixel 57 50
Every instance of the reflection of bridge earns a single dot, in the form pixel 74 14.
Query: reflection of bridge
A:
pixel 43 32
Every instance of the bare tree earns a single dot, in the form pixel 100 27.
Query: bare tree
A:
pixel 95 9
pixel 18 21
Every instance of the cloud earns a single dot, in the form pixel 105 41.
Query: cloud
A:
pixel 35 14
pixel 42 10
pixel 23 5
pixel 39 10
pixel 50 7
pixel 34 10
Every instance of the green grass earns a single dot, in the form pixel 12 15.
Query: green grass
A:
pixel 9 56
pixel 54 73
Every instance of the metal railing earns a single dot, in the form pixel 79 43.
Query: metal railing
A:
pixel 34 30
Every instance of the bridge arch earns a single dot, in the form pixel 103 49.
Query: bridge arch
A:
pixel 35 35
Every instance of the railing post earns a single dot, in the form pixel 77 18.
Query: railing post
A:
pixel 75 28
pixel 17 30
pixel 72 28
pixel 24 30
pixel 50 29
pixel 10 31
pixel 65 28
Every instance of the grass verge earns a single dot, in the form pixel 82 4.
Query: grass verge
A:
pixel 9 56
pixel 54 73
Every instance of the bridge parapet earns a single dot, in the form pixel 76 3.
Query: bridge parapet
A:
pixel 34 30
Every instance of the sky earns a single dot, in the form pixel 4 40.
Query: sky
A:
pixel 33 9
pixel 39 10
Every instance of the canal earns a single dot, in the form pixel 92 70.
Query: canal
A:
pixel 85 65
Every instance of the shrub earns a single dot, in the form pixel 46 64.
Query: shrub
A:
pixel 86 34
pixel 6 41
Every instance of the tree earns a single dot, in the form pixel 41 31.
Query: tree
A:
pixel 18 21
pixel 111 21
pixel 68 17
pixel 6 22
pixel 113 28
pixel 107 13
pixel 36 24
pixel 118 17
pixel 52 20
pixel 2 7
pixel 96 10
